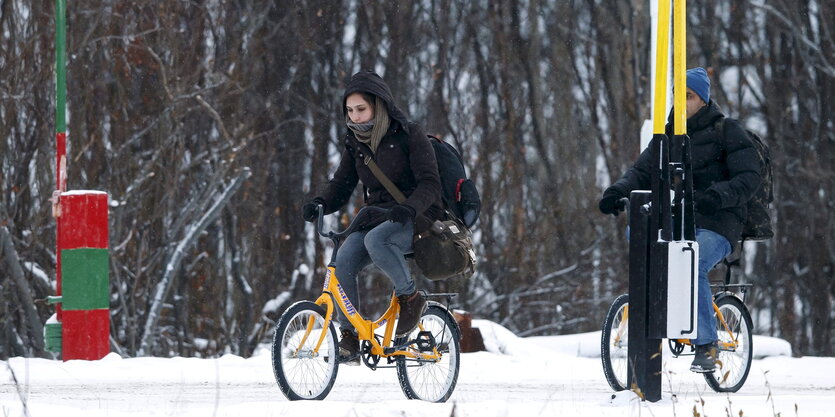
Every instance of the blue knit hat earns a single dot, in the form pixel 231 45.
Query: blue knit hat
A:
pixel 698 81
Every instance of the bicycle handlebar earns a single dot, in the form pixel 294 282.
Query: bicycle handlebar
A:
pixel 644 208
pixel 351 227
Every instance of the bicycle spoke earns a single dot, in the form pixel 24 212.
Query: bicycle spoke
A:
pixel 734 356
pixel 301 372
pixel 432 380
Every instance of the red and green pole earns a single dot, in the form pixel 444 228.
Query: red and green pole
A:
pixel 52 329
pixel 61 95
pixel 80 329
pixel 60 120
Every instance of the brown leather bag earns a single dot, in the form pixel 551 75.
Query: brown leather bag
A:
pixel 445 251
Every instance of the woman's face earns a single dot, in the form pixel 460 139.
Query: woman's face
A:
pixel 359 110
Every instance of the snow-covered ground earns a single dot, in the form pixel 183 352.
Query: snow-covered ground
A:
pixel 538 376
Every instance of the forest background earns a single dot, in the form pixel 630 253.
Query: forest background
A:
pixel 211 122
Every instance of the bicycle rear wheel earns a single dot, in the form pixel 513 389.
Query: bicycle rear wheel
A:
pixel 301 372
pixel 432 381
pixel 733 361
pixel 614 342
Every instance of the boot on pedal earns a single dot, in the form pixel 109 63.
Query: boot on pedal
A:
pixel 349 348
pixel 705 358
pixel 412 307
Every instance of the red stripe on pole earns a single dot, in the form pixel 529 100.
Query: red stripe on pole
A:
pixel 61 161
pixel 83 221
pixel 85 334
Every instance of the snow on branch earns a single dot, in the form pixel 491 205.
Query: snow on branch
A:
pixel 176 259
pixel 823 64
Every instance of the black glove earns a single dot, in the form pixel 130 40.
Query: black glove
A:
pixel 401 213
pixel 611 202
pixel 708 203
pixel 309 211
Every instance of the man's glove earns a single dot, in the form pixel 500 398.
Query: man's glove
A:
pixel 611 202
pixel 708 203
pixel 309 210
pixel 401 213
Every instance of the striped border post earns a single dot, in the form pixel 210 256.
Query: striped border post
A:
pixel 61 95
pixel 60 120
pixel 84 280
pixel 52 329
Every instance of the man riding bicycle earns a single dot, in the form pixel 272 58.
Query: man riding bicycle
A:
pixel 726 173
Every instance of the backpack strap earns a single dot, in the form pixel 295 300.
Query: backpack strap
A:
pixel 720 130
pixel 720 126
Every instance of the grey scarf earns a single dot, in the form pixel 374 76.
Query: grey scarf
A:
pixel 371 133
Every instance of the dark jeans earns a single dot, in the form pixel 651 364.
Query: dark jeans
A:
pixel 385 245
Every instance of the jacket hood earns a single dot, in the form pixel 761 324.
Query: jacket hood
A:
pixel 371 83
pixel 705 117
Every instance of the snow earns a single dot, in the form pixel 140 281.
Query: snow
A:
pixel 535 376
pixel 39 273
pixel 83 192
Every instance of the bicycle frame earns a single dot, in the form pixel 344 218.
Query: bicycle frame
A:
pixel 333 295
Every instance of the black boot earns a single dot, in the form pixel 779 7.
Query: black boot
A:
pixel 705 359
pixel 412 307
pixel 349 348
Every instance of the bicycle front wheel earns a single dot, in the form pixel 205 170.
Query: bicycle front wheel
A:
pixel 614 342
pixel 302 371
pixel 432 380
pixel 733 361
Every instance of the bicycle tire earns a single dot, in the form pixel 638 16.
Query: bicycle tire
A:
pixel 732 366
pixel 614 342
pixel 433 382
pixel 301 374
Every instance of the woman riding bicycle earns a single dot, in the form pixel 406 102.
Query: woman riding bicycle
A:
pixel 378 130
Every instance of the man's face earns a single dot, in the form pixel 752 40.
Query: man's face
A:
pixel 694 103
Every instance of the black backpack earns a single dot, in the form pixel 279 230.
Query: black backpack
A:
pixel 758 223
pixel 459 192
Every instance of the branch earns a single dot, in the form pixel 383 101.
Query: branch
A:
pixel 176 259
pixel 26 301
pixel 824 65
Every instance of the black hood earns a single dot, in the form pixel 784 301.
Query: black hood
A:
pixel 371 83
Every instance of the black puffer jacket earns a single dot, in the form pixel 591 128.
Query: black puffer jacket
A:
pixel 726 163
pixel 405 155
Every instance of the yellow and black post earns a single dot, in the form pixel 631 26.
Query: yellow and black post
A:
pixel 663 253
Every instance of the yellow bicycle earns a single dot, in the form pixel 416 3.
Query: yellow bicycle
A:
pixel 305 352
pixel 733 328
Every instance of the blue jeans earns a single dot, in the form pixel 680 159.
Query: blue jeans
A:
pixel 385 245
pixel 713 247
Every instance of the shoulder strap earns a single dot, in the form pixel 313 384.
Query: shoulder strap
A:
pixel 720 126
pixel 390 187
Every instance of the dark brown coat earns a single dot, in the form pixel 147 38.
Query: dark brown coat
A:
pixel 405 155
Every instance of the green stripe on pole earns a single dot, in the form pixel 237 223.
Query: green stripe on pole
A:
pixel 60 66
pixel 84 282
pixel 52 337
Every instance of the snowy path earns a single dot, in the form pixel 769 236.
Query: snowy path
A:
pixel 533 377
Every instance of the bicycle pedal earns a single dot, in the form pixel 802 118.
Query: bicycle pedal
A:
pixel 425 341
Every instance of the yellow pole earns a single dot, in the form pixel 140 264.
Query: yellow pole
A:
pixel 679 67
pixel 662 53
